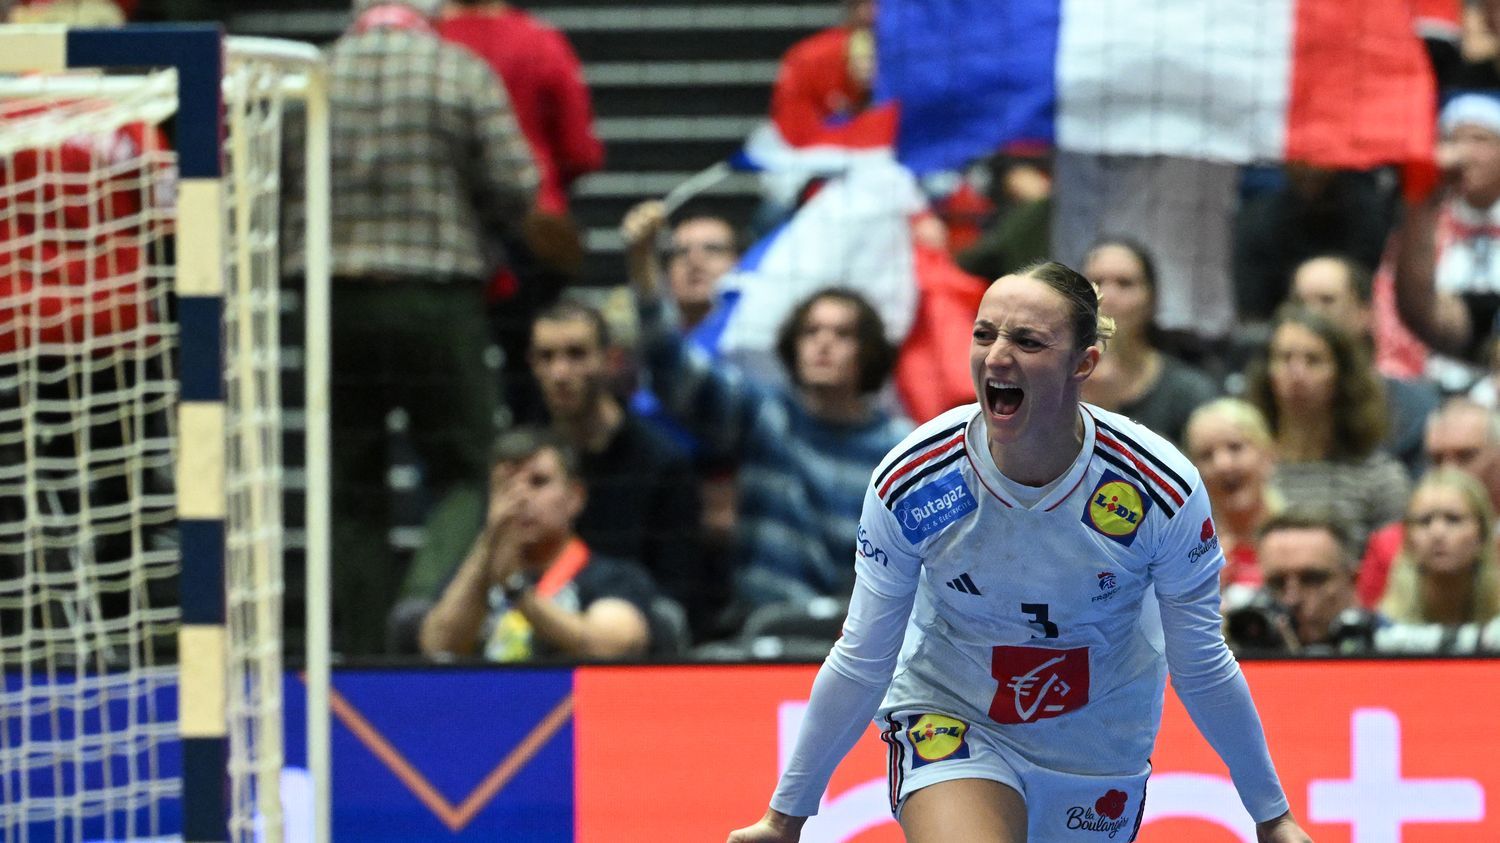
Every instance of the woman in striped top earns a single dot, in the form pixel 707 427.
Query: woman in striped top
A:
pixel 1327 413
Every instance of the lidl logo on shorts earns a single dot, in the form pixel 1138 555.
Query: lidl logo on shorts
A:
pixel 934 506
pixel 1116 508
pixel 935 737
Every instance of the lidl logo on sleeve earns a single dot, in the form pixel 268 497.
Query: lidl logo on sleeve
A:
pixel 934 506
pixel 935 737
pixel 1116 508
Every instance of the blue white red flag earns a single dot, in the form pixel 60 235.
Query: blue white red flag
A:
pixel 1237 81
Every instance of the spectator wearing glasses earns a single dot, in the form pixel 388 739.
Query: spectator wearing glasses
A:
pixel 1307 604
pixel 701 249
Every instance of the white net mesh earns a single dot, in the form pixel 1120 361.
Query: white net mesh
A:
pixel 88 553
pixel 253 103
pixel 89 558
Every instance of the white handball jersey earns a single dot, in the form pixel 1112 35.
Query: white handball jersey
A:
pixel 1054 614
pixel 1039 618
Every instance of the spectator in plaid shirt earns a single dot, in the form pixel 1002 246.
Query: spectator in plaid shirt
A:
pixel 428 167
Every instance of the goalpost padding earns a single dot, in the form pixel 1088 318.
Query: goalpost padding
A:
pixel 220 669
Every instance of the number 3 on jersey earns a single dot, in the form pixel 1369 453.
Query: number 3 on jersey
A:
pixel 1038 612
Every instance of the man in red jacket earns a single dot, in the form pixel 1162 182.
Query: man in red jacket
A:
pixel 823 85
pixel 544 78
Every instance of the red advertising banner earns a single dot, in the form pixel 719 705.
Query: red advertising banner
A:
pixel 1367 751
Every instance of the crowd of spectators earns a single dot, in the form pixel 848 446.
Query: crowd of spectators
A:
pixel 614 489
pixel 649 499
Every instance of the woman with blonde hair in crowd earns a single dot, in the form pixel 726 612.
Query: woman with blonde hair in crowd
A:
pixel 1230 443
pixel 1326 409
pixel 1444 590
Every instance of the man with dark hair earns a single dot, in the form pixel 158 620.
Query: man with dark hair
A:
pixel 530 587
pixel 429 167
pixel 1308 570
pixel 703 248
pixel 644 501
pixel 1340 288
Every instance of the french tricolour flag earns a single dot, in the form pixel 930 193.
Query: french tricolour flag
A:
pixel 1342 83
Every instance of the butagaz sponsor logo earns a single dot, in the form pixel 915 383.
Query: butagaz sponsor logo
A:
pixel 1107 815
pixel 1203 549
pixel 1108 586
pixel 869 550
pixel 934 507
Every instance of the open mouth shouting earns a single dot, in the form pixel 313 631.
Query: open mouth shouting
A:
pixel 1002 398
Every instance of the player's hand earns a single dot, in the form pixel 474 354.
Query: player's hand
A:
pixel 1283 829
pixel 640 229
pixel 774 827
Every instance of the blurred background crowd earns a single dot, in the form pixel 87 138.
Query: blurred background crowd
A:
pixel 599 395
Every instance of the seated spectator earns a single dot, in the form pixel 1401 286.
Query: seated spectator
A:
pixel 530 587
pixel 1340 289
pixel 1460 435
pixel 806 454
pixel 1229 443
pixel 644 502
pixel 1323 401
pixel 1445 586
pixel 1308 603
pixel 1134 376
pixel 1447 271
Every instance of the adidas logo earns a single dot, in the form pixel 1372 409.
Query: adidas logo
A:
pixel 964 584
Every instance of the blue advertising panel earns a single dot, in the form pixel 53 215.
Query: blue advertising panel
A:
pixel 440 755
pixel 89 757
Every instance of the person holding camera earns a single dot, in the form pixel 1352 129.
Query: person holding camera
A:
pixel 1307 603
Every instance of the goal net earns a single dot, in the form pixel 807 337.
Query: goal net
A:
pixel 105 461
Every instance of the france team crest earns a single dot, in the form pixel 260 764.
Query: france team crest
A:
pixel 1116 508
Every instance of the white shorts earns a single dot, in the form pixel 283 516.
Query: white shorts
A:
pixel 926 748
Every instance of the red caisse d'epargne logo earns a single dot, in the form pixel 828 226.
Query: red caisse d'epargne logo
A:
pixel 1038 682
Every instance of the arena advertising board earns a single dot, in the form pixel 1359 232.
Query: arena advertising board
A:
pixel 1368 751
